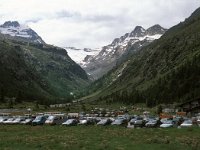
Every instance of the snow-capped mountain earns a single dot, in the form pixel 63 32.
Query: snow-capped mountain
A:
pixel 16 31
pixel 81 55
pixel 113 53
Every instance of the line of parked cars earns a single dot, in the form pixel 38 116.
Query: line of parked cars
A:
pixel 121 120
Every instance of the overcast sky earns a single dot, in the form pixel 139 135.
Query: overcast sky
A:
pixel 93 23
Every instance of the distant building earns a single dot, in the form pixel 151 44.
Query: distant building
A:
pixel 60 105
pixel 168 110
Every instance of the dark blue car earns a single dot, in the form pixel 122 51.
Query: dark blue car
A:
pixel 39 120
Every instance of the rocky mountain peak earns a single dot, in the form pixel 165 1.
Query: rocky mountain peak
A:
pixel 156 29
pixel 138 32
pixel 115 41
pixel 10 24
pixel 15 31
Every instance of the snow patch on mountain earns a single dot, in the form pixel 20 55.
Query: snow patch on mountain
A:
pixel 14 29
pixel 79 55
pixel 108 57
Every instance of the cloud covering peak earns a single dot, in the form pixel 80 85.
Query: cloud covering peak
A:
pixel 93 23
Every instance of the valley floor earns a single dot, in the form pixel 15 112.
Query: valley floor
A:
pixel 97 138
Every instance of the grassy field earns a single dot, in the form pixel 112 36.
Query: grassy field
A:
pixel 19 137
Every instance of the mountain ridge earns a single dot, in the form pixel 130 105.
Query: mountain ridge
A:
pixel 110 55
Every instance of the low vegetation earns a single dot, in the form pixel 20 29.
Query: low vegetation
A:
pixel 97 138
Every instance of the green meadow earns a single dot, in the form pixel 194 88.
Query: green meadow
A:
pixel 19 137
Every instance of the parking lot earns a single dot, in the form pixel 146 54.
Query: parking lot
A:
pixel 98 130
pixel 123 119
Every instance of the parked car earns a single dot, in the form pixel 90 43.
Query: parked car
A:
pixel 167 124
pixel 120 122
pixel 8 121
pixel 194 120
pixel 87 121
pixel 125 116
pixel 132 121
pixel 139 122
pixel 39 120
pixel 95 119
pixel 55 120
pixel 2 119
pixel 153 123
pixel 27 121
pixel 163 120
pixel 18 120
pixel 178 120
pixel 198 121
pixel 104 122
pixel 186 123
pixel 70 122
pixel 83 122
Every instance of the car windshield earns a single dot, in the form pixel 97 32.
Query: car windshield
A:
pixel 168 122
pixel 51 117
pixel 103 121
pixel 152 121
pixel 83 121
pixel 118 121
pixel 10 119
pixel 70 121
pixel 38 118
pixel 187 122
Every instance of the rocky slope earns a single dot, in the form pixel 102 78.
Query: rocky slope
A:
pixel 14 30
pixel 119 50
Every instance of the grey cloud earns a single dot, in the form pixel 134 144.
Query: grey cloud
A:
pixel 67 14
pixel 92 24
pixel 99 18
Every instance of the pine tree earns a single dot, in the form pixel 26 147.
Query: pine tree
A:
pixel 2 99
pixel 19 97
pixel 10 103
pixel 159 109
pixel 36 105
pixel 83 107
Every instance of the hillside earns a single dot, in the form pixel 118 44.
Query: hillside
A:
pixel 38 72
pixel 165 71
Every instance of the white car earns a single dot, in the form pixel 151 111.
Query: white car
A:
pixel 9 121
pixel 167 124
pixel 152 123
pixel 83 122
pixel 187 123
pixel 18 120
pixel 70 122
pixel 2 119
pixel 198 121
pixel 50 120
pixel 27 121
